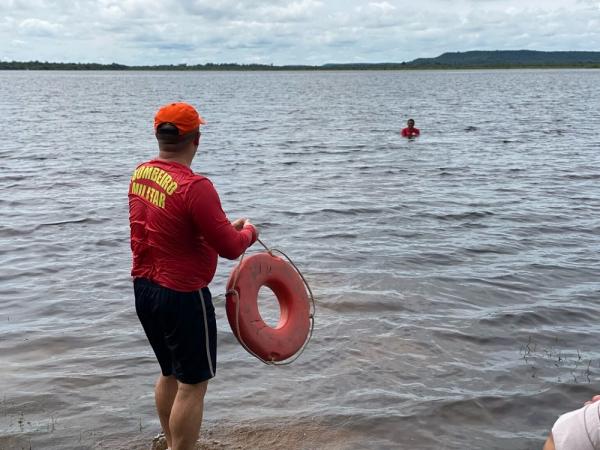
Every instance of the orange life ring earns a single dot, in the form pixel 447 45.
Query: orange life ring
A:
pixel 290 334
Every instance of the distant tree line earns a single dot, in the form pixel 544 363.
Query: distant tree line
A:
pixel 497 59
pixel 38 65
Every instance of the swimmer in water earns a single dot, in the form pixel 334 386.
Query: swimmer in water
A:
pixel 410 131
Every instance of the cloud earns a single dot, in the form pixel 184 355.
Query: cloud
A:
pixel 22 5
pixel 258 11
pixel 213 10
pixel 382 6
pixel 39 27
pixel 296 11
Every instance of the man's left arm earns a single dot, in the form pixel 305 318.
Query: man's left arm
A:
pixel 229 240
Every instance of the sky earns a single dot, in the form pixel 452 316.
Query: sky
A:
pixel 314 32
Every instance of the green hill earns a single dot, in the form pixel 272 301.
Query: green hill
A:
pixel 509 58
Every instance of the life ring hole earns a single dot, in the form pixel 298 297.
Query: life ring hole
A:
pixel 268 307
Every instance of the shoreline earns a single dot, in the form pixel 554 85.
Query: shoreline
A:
pixel 475 59
pixel 93 67
pixel 412 69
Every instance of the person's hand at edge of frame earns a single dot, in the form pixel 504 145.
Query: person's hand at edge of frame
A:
pixel 594 399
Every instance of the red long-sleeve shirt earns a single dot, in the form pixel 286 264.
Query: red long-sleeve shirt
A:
pixel 178 228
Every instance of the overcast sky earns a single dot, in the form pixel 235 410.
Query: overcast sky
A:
pixel 287 32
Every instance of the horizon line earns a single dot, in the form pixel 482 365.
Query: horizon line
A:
pixel 300 65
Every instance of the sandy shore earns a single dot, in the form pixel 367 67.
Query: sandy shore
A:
pixel 255 435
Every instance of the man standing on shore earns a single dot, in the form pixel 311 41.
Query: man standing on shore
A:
pixel 178 230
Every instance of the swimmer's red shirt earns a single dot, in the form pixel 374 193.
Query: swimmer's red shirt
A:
pixel 178 228
pixel 407 132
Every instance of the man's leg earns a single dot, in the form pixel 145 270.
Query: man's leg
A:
pixel 186 415
pixel 164 396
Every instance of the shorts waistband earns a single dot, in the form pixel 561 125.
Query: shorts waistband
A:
pixel 146 282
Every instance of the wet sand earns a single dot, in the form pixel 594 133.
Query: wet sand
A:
pixel 256 435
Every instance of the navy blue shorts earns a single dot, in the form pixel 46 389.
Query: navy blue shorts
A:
pixel 181 328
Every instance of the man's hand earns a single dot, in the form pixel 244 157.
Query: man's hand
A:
pixel 594 399
pixel 254 227
pixel 239 223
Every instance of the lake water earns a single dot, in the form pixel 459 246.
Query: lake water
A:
pixel 457 276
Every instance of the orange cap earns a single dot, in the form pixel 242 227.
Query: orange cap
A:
pixel 182 115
